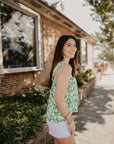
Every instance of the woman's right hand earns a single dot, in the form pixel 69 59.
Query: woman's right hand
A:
pixel 72 127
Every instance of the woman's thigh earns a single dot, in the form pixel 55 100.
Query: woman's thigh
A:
pixel 55 141
pixel 67 140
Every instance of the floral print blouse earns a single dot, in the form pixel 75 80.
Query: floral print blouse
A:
pixel 71 98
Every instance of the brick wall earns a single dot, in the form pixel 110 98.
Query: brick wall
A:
pixel 13 83
pixel 51 33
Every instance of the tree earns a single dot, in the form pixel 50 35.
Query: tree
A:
pixel 102 11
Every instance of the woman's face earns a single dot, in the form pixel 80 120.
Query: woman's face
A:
pixel 69 49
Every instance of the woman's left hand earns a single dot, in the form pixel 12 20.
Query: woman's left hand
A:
pixel 72 127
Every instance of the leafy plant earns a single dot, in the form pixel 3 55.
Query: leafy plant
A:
pixel 90 72
pixel 21 115
pixel 80 69
pixel 39 93
pixel 82 77
pixel 85 76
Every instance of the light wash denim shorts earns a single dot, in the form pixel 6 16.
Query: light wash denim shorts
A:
pixel 58 130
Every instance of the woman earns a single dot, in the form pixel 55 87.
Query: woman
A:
pixel 63 94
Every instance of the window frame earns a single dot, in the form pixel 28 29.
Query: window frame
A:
pixel 83 64
pixel 80 39
pixel 38 37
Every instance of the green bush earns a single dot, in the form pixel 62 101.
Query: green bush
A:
pixel 85 76
pixel 21 115
pixel 82 77
pixel 80 69
pixel 90 72
pixel 40 94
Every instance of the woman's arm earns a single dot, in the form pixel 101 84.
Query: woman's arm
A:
pixel 61 87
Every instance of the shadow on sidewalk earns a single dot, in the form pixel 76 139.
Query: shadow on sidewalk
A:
pixel 98 103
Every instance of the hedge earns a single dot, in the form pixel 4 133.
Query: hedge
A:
pixel 21 115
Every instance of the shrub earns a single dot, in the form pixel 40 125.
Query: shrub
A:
pixel 85 76
pixel 80 79
pixel 90 72
pixel 21 115
pixel 39 94
pixel 80 69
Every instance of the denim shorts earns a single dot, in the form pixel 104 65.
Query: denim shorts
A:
pixel 58 129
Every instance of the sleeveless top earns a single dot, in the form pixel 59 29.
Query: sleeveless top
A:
pixel 71 98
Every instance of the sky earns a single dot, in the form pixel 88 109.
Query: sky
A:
pixel 79 14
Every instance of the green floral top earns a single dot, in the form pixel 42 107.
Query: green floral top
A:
pixel 71 98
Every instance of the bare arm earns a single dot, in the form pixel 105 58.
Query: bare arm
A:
pixel 61 87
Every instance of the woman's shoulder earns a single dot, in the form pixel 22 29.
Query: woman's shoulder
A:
pixel 65 68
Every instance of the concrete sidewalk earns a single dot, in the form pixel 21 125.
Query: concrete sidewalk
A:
pixel 95 119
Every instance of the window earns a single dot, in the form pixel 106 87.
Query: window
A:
pixel 83 52
pixel 78 47
pixel 21 41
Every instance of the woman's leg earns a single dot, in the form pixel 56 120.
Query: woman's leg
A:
pixel 67 140
pixel 55 141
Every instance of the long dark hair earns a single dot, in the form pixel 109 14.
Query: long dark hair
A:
pixel 58 56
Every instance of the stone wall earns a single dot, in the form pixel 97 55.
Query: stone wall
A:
pixel 85 90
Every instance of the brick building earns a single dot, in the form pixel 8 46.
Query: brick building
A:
pixel 29 31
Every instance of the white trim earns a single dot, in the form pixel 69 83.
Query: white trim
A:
pixel 39 40
pixel 15 70
pixel 83 39
pixel 38 36
pixel 40 44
